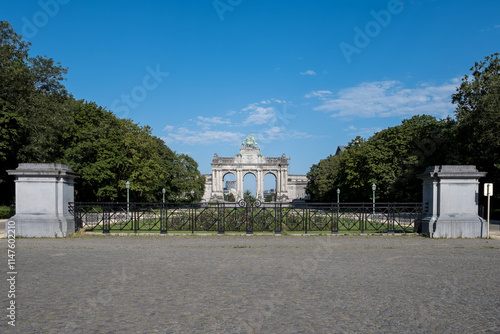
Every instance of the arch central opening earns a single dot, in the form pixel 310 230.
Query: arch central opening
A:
pixel 229 182
pixel 249 185
pixel 270 186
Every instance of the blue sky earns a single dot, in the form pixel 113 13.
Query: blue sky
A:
pixel 302 76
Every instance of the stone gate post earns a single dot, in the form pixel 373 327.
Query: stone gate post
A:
pixel 450 199
pixel 43 192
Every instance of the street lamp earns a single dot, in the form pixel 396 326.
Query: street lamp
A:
pixel 374 187
pixel 338 209
pixel 127 185
pixel 163 225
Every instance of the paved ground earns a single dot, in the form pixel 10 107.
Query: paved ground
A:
pixel 254 284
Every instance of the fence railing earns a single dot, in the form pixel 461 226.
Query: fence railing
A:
pixel 275 217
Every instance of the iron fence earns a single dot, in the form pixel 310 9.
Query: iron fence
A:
pixel 275 217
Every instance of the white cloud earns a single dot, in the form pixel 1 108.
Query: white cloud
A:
pixel 209 121
pixel 208 137
pixel 308 72
pixel 168 128
pixel 268 116
pixel 320 94
pixel 260 115
pixel 363 132
pixel 280 133
pixel 388 98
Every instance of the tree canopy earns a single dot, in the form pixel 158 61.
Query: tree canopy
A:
pixel 41 122
pixel 478 117
pixel 391 159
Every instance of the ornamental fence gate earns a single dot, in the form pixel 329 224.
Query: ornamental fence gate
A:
pixel 243 217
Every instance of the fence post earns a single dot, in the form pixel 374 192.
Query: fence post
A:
pixel 392 218
pixel 163 219
pixel 363 220
pixel 249 216
pixel 335 222
pixel 106 218
pixel 305 214
pixel 193 221
pixel 221 222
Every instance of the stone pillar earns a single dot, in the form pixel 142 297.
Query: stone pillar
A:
pixel 260 185
pixel 450 199
pixel 239 184
pixel 43 193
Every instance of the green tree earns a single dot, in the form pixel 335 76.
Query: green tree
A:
pixel 270 198
pixel 478 118
pixel 187 184
pixel 95 150
pixel 392 159
pixel 230 198
pixel 108 151
pixel 33 110
pixel 323 179
pixel 249 198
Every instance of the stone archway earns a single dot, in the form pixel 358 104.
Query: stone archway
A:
pixel 248 160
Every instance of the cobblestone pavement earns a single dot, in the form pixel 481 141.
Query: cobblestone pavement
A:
pixel 254 284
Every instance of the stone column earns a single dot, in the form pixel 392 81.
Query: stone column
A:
pixel 43 193
pixel 214 183
pixel 260 186
pixel 278 183
pixel 220 182
pixel 239 184
pixel 450 199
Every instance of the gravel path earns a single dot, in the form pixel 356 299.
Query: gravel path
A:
pixel 254 284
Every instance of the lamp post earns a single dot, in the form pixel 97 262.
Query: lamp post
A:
pixel 127 185
pixel 278 181
pixel 374 187
pixel 163 223
pixel 336 227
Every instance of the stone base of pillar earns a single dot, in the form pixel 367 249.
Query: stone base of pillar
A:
pixel 43 226
pixel 43 194
pixel 454 226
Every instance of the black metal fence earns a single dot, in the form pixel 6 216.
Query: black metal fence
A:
pixel 248 218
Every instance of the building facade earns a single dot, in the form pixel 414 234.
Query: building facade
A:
pixel 251 161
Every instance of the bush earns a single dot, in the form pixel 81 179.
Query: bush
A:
pixel 5 212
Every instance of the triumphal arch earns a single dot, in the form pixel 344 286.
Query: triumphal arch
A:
pixel 251 161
